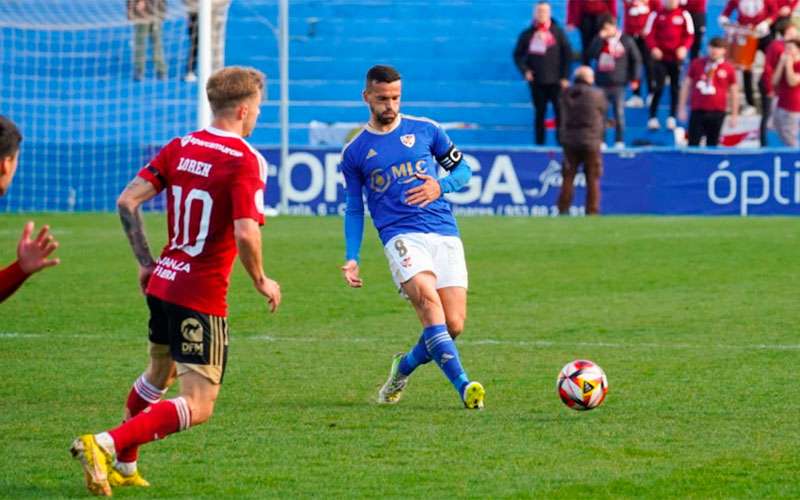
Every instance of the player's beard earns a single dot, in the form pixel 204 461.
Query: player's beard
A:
pixel 385 117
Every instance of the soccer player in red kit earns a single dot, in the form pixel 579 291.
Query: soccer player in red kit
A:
pixel 214 182
pixel 32 254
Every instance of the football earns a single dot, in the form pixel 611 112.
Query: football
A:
pixel 582 385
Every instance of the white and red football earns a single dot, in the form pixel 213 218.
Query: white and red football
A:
pixel 582 385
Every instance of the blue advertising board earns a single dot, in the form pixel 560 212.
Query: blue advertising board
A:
pixel 506 181
pixel 526 182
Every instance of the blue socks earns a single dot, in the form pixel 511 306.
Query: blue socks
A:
pixel 443 350
pixel 418 355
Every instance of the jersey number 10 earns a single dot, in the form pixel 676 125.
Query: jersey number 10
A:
pixel 180 228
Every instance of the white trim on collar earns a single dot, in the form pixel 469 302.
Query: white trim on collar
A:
pixel 223 133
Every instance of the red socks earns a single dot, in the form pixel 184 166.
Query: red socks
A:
pixel 142 395
pixel 156 422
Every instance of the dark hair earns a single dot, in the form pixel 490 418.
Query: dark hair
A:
pixel 382 74
pixel 718 42
pixel 9 138
pixel 608 19
pixel 782 24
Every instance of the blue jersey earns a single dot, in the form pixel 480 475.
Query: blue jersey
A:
pixel 384 165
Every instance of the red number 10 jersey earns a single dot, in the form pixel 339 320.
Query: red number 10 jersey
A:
pixel 212 178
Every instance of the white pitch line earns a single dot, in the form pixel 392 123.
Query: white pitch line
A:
pixel 477 342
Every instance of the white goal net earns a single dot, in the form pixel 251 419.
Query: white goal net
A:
pixel 94 94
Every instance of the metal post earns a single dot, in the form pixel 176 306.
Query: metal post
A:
pixel 283 43
pixel 203 61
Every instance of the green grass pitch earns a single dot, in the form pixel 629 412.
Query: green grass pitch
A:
pixel 695 322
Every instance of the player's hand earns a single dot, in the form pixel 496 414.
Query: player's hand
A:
pixel 681 53
pixel 529 75
pixel 785 11
pixel 32 254
pixel 657 54
pixel 733 120
pixel 145 272
pixel 424 194
pixel 564 83
pixel 271 290
pixel 635 85
pixel 350 273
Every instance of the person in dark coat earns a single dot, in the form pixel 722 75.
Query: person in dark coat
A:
pixel 543 55
pixel 618 63
pixel 583 114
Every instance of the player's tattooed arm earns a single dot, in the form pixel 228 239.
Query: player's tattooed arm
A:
pixel 128 206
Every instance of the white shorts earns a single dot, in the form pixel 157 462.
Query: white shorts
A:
pixel 412 253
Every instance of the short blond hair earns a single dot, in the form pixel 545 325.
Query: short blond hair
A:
pixel 229 87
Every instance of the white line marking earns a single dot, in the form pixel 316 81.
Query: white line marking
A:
pixel 478 342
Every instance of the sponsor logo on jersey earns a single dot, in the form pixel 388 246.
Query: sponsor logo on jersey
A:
pixel 196 167
pixel 380 180
pixel 408 140
pixel 194 141
pixel 372 154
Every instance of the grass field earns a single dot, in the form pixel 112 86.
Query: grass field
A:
pixel 695 321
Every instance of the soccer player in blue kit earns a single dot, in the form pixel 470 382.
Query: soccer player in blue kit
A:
pixel 394 159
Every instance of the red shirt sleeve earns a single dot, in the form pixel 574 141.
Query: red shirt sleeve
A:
pixel 649 31
pixel 688 31
pixel 11 278
pixel 157 170
pixel 729 7
pixel 247 191
pixel 696 69
pixel 612 7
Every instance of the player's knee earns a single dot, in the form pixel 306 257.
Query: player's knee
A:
pixel 455 326
pixel 201 410
pixel 160 372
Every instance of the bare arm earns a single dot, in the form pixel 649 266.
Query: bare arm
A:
pixel 137 192
pixel 734 104
pixel 778 74
pixel 248 241
pixel 683 98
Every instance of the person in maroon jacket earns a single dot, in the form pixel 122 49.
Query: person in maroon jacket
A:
pixel 786 81
pixel 697 9
pixel 669 35
pixel 586 15
pixel 784 30
pixel 636 14
pixel 31 253
pixel 758 15
pixel 710 81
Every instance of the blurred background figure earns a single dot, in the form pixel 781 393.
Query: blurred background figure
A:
pixel 617 63
pixel 148 20
pixel 583 114
pixel 784 30
pixel 586 16
pixel 219 19
pixel 708 84
pixel 669 35
pixel 786 81
pixel 636 14
pixel 543 56
pixel 756 16
pixel 697 9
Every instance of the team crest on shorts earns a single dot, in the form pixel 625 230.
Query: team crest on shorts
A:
pixel 408 140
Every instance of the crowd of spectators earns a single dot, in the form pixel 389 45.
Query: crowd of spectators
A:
pixel 661 43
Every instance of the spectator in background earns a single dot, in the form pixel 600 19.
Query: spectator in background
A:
pixel 586 15
pixel 148 22
pixel 583 115
pixel 784 30
pixel 669 34
pixel 543 55
pixel 786 81
pixel 697 9
pixel 636 14
pixel 757 15
pixel 32 255
pixel 710 81
pixel 618 63
pixel 219 19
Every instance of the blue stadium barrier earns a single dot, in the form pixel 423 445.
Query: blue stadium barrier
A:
pixel 506 181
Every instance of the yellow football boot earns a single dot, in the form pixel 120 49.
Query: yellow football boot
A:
pixel 116 478
pixel 96 463
pixel 473 396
